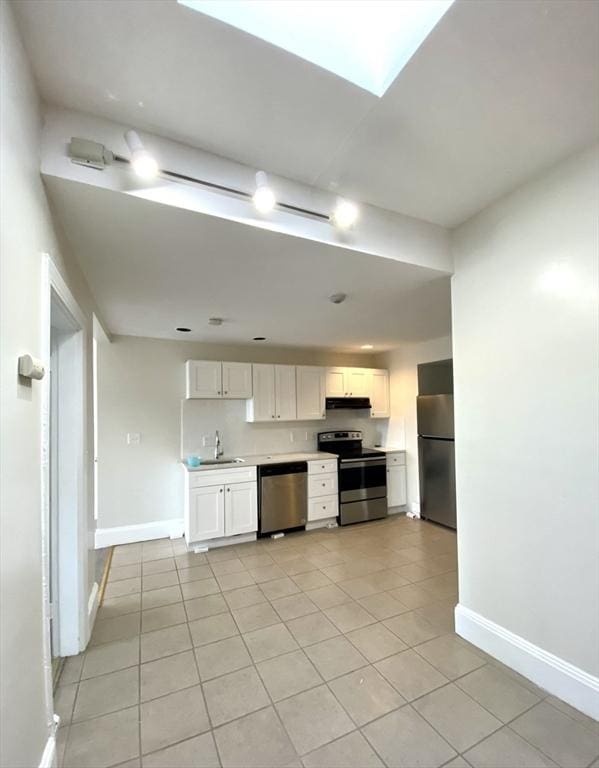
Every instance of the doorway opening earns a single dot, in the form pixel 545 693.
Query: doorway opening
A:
pixel 65 501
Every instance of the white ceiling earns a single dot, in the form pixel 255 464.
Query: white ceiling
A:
pixel 154 267
pixel 499 90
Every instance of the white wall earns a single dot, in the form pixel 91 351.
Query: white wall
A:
pixel 403 378
pixel 526 373
pixel 27 230
pixel 141 384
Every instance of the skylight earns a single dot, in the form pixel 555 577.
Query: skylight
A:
pixel 367 42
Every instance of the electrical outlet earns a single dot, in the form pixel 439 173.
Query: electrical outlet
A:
pixel 133 438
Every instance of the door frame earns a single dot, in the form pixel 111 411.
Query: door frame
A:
pixel 72 530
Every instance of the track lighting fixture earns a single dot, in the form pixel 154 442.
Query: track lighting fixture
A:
pixel 143 163
pixel 345 214
pixel 264 197
pixel 94 155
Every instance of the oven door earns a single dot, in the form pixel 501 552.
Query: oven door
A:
pixel 361 479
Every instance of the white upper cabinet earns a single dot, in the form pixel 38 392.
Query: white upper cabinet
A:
pixel 358 382
pixel 204 378
pixel 379 394
pixel 274 393
pixel 237 381
pixel 337 381
pixel 310 382
pixel 348 382
pixel 211 379
pixel 262 406
pixel 285 392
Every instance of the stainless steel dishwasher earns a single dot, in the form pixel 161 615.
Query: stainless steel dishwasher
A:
pixel 283 496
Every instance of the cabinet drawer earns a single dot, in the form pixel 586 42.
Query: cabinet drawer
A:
pixel 327 506
pixel 222 477
pixel 322 485
pixel 396 458
pixel 323 467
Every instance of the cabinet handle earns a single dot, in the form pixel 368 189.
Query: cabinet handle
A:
pixel 322 466
pixel 323 506
pixel 225 392
pixel 218 393
pixel 324 485
pixel 221 490
pixel 228 490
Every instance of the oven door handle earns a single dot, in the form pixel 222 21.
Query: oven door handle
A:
pixel 375 462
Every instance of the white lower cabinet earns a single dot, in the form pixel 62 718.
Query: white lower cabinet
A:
pixel 206 513
pixel 241 509
pixel 322 485
pixel 324 507
pixel 396 480
pixel 220 503
pixel 323 499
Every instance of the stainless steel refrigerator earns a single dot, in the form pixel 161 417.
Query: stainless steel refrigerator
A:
pixel 436 458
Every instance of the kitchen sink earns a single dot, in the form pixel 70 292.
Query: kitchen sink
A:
pixel 222 460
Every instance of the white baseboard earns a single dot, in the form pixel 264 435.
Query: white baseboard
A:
pixel 226 541
pixel 129 534
pixel 550 672
pixel 49 755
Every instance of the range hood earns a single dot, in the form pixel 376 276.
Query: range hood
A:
pixel 353 403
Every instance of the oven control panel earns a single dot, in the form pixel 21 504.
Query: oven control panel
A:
pixel 327 436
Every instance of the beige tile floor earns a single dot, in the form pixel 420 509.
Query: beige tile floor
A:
pixel 323 649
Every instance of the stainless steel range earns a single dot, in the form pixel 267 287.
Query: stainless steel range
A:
pixel 362 476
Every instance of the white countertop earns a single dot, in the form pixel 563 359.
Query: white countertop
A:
pixel 389 449
pixel 266 458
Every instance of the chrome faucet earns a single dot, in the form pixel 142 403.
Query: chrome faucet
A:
pixel 218 450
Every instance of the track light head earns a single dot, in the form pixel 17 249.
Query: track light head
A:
pixel 264 198
pixel 345 214
pixel 143 163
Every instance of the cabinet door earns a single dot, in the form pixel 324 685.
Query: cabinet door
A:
pixel 285 398
pixel 336 382
pixel 262 406
pixel 206 513
pixel 379 394
pixel 241 508
pixel 204 378
pixel 237 381
pixel 310 392
pixel 396 486
pixel 358 382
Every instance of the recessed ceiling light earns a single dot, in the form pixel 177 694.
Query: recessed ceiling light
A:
pixel 367 42
pixel 259 338
pixel 338 298
pixel 366 346
pixel 215 321
pixel 183 330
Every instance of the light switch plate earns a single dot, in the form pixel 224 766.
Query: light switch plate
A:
pixel 133 438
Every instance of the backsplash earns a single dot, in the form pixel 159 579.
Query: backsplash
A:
pixel 238 437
